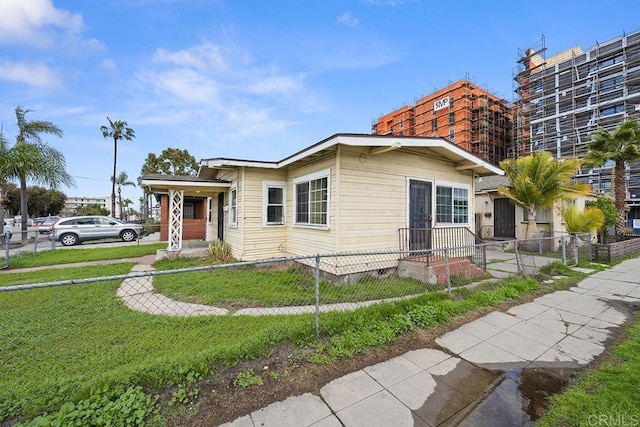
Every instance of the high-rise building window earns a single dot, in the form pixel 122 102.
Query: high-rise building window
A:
pixel 452 118
pixel 434 124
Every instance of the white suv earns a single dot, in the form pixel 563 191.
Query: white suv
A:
pixel 74 230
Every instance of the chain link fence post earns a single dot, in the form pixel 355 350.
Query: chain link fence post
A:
pixel 563 241
pixel 518 260
pixel 317 277
pixel 7 243
pixel 35 243
pixel 446 270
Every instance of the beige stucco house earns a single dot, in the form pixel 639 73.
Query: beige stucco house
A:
pixel 346 193
pixel 498 218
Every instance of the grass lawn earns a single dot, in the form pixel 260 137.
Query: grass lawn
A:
pixel 606 396
pixel 67 256
pixel 239 287
pixel 73 343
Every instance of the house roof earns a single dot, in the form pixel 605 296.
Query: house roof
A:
pixel 190 184
pixel 378 143
pixel 490 183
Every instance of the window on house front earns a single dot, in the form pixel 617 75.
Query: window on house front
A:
pixel 273 206
pixel 233 206
pixel 188 210
pixel 452 205
pixel 542 216
pixel 312 199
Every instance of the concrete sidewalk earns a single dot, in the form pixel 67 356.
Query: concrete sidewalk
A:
pixel 461 383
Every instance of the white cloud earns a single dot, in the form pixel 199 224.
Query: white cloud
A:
pixel 37 75
pixel 183 84
pixel 275 84
pixel 109 65
pixel 206 56
pixel 348 19
pixel 32 21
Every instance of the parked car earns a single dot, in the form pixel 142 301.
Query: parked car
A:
pixel 45 223
pixel 74 230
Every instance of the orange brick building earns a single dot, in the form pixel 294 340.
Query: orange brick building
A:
pixel 463 113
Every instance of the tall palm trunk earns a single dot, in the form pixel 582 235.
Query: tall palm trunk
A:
pixel 120 200
pixel 24 215
pixel 619 192
pixel 113 180
pixel 532 226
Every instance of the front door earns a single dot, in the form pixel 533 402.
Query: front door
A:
pixel 420 207
pixel 220 216
pixel 504 220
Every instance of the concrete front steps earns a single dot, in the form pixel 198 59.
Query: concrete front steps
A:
pixel 435 271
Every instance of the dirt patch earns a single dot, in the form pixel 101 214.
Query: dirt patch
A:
pixel 287 373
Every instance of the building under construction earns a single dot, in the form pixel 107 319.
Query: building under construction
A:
pixel 463 113
pixel 564 99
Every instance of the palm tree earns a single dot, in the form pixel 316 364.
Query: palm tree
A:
pixel 122 180
pixel 31 159
pixel 538 181
pixel 125 204
pixel 4 161
pixel 117 130
pixel 622 146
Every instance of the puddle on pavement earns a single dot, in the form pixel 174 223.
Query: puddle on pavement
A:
pixel 520 398
pixel 473 396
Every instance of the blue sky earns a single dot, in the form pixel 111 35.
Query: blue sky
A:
pixel 258 79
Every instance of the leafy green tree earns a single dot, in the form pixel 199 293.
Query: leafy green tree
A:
pixel 32 160
pixel 587 220
pixel 92 209
pixel 117 130
pixel 172 161
pixel 41 201
pixel 609 211
pixel 621 146
pixel 538 181
pixel 122 180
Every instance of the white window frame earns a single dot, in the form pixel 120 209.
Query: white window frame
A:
pixel 543 216
pixel 233 205
pixel 453 186
pixel 308 178
pixel 266 185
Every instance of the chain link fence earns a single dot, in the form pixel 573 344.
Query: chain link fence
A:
pixel 60 339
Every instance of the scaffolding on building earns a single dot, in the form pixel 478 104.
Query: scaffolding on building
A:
pixel 561 101
pixel 468 116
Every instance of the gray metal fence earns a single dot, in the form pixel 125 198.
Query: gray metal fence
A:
pixel 59 329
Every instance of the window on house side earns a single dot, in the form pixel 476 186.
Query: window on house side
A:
pixel 312 201
pixel 273 204
pixel 233 206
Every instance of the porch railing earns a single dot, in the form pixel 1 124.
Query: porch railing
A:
pixel 424 243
